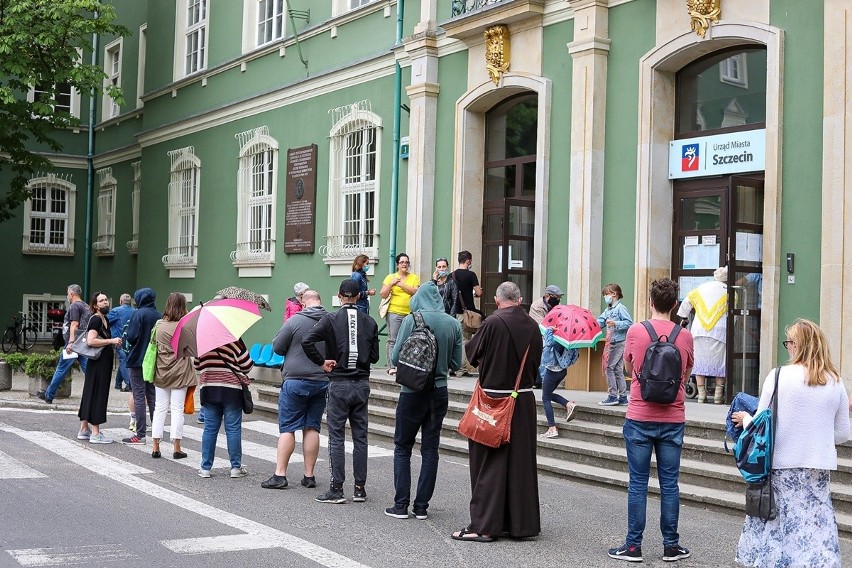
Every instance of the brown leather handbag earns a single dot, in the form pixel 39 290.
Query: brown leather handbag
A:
pixel 488 420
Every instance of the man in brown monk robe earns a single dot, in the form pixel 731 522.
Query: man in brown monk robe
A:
pixel 504 480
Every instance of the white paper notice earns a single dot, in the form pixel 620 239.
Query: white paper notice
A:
pixel 697 257
pixel 690 240
pixel 708 240
pixel 749 247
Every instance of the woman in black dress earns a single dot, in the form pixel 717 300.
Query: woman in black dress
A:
pixel 93 404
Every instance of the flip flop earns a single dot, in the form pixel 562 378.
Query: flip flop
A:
pixel 465 534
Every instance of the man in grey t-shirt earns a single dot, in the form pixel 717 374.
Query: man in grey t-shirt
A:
pixel 76 322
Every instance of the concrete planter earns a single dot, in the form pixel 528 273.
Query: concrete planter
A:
pixel 5 376
pixel 37 383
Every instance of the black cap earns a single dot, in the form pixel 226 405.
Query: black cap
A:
pixel 349 289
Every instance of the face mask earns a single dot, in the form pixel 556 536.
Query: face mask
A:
pixel 443 273
pixel 104 310
pixel 553 302
pixel 608 300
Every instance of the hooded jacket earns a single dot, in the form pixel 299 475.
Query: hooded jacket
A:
pixel 288 342
pixel 447 331
pixel 333 329
pixel 140 325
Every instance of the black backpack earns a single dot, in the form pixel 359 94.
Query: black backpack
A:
pixel 418 357
pixel 660 377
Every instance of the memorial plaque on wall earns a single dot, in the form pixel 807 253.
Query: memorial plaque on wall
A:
pixel 300 212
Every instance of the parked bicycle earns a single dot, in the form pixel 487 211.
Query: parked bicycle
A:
pixel 21 334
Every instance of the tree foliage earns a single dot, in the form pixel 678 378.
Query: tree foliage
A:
pixel 44 44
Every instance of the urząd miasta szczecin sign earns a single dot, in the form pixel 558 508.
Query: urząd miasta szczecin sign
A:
pixel 730 153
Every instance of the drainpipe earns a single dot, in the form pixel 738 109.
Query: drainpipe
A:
pixel 397 103
pixel 90 180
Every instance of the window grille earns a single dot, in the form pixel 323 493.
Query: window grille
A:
pixel 183 208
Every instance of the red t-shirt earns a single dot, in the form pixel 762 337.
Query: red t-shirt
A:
pixel 637 342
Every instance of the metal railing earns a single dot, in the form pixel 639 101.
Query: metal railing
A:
pixel 180 256
pixel 467 6
pixel 257 251
pixel 348 246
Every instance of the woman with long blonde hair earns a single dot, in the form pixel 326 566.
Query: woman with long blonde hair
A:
pixel 813 416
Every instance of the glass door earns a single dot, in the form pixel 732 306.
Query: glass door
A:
pixel 508 245
pixel 745 279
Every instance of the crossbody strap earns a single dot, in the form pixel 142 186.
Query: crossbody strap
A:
pixel 773 403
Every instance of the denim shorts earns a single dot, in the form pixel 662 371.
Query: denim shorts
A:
pixel 301 404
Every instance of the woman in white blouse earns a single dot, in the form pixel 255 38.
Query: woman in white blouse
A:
pixel 813 416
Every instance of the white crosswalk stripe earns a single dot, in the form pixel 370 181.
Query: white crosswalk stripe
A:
pixel 272 429
pixel 10 468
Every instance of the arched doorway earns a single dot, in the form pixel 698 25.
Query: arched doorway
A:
pixel 508 205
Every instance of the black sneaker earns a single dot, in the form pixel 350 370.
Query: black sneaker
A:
pixel 676 552
pixel 333 495
pixel 420 514
pixel 41 394
pixel 359 495
pixel 309 482
pixel 396 512
pixel 275 482
pixel 626 552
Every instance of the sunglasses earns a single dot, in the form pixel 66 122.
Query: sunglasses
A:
pixel 788 343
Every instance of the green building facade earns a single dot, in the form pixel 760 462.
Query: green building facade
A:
pixel 257 146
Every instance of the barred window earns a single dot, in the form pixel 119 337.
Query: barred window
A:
pixel 36 307
pixel 49 216
pixel 256 182
pixel 183 209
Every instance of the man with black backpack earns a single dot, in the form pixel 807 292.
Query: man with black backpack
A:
pixel 658 355
pixel 429 343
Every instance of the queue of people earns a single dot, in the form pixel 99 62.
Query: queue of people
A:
pixel 328 364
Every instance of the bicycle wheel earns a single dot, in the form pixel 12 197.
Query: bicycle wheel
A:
pixel 28 338
pixel 8 339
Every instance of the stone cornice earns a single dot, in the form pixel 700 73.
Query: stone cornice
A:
pixel 595 45
pixel 471 26
pixel 423 89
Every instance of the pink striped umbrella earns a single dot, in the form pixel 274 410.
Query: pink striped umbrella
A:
pixel 213 324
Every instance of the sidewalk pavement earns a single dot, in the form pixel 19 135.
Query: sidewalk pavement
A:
pixel 19 397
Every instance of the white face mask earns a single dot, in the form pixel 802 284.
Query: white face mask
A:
pixel 609 300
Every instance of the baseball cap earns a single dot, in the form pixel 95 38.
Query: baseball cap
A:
pixel 553 290
pixel 349 289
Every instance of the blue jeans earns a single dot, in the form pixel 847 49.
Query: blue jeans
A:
pixel 666 441
pixel 347 400
pixel 425 412
pixel 549 382
pixel 214 412
pixel 616 385
pixel 301 404
pixel 122 378
pixel 62 369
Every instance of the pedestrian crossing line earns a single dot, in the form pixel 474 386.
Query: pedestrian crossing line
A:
pixel 253 533
pixel 272 429
pixel 192 459
pixel 66 556
pixel 10 468
pixel 251 449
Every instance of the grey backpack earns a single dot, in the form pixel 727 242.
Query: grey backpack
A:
pixel 418 357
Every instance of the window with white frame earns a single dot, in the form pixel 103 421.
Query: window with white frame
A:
pixel 183 209
pixel 49 216
pixel 343 6
pixel 190 37
pixel 734 71
pixel 112 68
pixel 133 243
pixel 105 241
pixel 140 66
pixel 256 188
pixel 270 20
pixel 36 306
pixel 61 97
pixel 353 222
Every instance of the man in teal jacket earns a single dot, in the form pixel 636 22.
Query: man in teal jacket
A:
pixel 423 410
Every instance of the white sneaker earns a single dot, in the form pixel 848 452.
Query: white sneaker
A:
pixel 570 407
pixel 239 471
pixel 204 473
pixel 99 439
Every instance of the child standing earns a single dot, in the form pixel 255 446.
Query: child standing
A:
pixel 617 319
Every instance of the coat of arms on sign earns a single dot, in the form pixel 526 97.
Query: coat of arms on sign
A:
pixel 496 52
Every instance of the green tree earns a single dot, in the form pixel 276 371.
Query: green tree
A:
pixel 45 45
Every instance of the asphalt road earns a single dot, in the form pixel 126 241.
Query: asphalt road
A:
pixel 70 503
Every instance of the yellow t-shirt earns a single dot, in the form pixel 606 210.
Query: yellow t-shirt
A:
pixel 400 299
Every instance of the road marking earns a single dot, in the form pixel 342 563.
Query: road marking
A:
pixel 257 535
pixel 255 450
pixel 192 459
pixel 91 555
pixel 272 430
pixel 10 468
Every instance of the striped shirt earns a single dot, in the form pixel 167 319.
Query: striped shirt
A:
pixel 225 366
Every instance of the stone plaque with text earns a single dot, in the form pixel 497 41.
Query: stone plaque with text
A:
pixel 300 212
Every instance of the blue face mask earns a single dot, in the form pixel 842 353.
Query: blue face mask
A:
pixel 443 273
pixel 608 300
